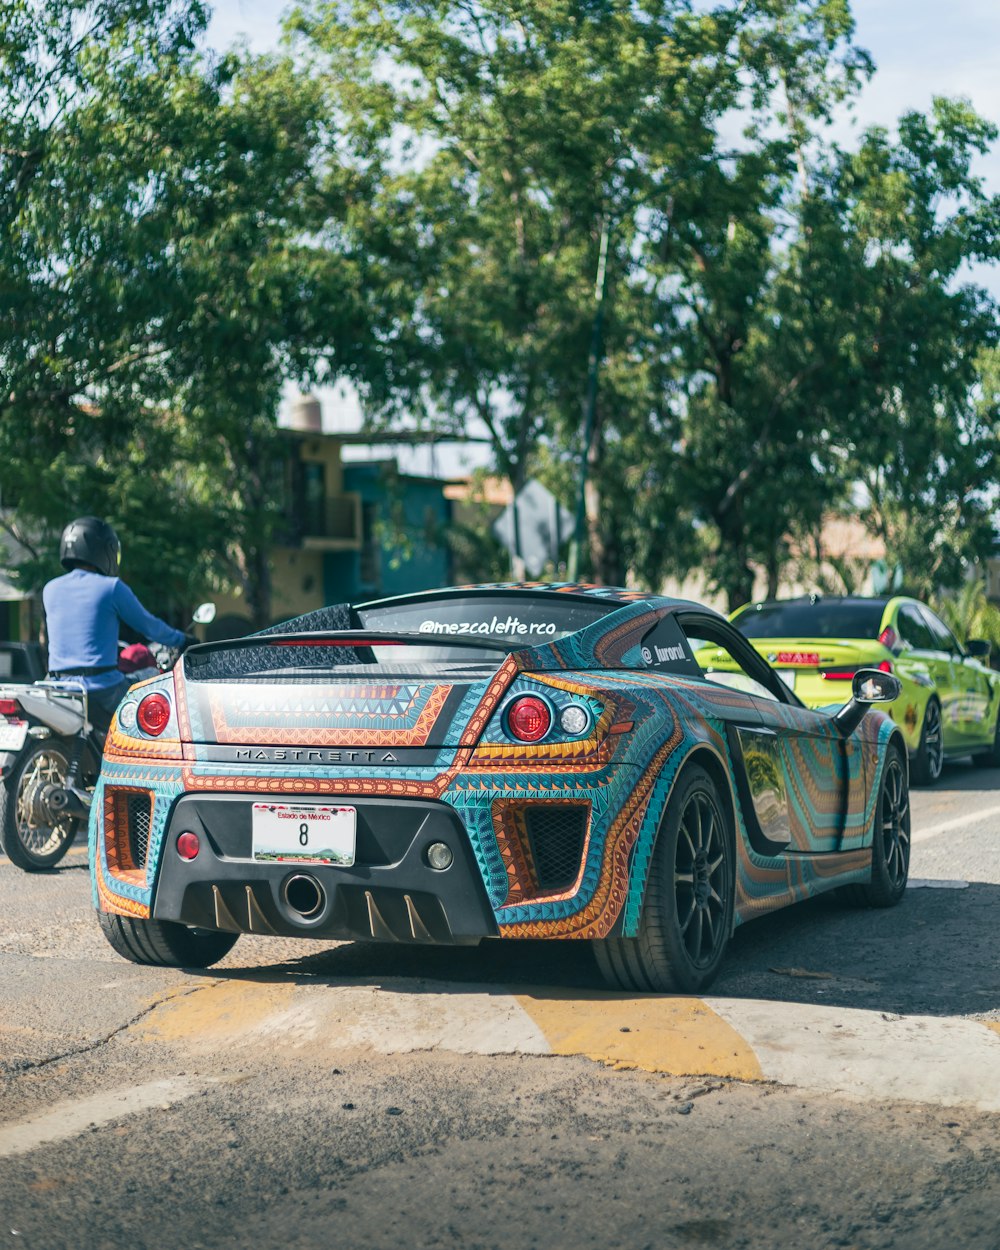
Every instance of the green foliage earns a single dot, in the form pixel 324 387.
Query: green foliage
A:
pixel 414 197
pixel 968 613
pixel 159 278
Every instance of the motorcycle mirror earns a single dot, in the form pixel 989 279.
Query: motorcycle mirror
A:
pixel 204 614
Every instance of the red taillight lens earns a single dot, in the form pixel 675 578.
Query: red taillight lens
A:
pixel 888 638
pixel 10 707
pixel 153 714
pixel 188 845
pixel 885 666
pixel 529 718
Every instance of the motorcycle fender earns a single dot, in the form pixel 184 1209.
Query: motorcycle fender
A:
pixel 7 760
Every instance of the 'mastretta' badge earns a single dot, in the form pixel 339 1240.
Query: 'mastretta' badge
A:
pixel 351 756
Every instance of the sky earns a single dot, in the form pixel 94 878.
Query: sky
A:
pixel 921 49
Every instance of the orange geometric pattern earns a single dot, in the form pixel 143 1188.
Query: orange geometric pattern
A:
pixel 599 916
pixel 325 735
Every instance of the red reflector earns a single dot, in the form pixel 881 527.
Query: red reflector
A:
pixel 838 674
pixel 798 657
pixel 529 718
pixel 10 707
pixel 188 845
pixel 153 714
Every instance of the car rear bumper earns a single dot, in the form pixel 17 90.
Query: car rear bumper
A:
pixel 391 893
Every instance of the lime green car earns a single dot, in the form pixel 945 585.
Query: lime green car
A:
pixel 950 699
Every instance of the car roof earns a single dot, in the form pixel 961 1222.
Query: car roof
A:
pixel 880 600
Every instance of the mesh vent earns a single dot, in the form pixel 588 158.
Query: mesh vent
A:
pixel 139 808
pixel 556 832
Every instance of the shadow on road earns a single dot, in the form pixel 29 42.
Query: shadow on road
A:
pixel 934 954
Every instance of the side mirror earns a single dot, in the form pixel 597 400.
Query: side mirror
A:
pixel 978 648
pixel 868 686
pixel 871 685
pixel 204 614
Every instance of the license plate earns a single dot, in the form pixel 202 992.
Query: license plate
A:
pixel 12 734
pixel 304 835
pixel 787 675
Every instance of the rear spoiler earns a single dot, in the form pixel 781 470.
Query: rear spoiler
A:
pixel 347 638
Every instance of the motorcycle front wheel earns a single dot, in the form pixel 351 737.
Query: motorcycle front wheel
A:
pixel 32 834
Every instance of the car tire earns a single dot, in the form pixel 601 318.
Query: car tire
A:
pixel 165 943
pixel 30 834
pixel 687 916
pixel 891 839
pixel 926 765
pixel 990 758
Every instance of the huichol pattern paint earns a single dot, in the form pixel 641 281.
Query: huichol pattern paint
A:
pixel 645 725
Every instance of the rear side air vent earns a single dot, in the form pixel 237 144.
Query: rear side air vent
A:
pixel 139 809
pixel 556 833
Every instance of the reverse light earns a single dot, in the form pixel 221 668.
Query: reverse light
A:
pixel 440 856
pixel 529 718
pixel 188 845
pixel 574 719
pixel 153 714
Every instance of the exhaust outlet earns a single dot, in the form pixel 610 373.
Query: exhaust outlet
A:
pixel 304 895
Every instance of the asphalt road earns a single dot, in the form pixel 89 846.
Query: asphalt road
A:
pixel 259 1103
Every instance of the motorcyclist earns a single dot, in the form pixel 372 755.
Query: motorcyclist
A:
pixel 83 609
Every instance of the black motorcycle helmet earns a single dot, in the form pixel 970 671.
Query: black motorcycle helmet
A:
pixel 88 540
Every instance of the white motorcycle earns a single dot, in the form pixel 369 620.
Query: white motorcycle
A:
pixel 50 755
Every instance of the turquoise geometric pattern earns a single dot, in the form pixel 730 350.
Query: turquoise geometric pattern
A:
pixel 444 739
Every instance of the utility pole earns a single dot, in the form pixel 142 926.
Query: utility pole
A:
pixel 590 409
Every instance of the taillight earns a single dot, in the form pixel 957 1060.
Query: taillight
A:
pixel 847 674
pixel 153 714
pixel 888 638
pixel 10 707
pixel 838 674
pixel 529 718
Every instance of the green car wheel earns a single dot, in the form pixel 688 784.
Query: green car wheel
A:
pixel 990 758
pixel 926 765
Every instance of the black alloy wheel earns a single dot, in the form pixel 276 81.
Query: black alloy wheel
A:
pixel 890 837
pixel 929 760
pixel 687 917
pixel 990 758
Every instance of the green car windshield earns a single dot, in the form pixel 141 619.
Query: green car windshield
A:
pixel 829 618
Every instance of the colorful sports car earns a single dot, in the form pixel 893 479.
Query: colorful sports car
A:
pixel 544 761
pixel 949 705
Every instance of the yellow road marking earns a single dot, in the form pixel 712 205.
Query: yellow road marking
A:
pixel 679 1036
pixel 219 1009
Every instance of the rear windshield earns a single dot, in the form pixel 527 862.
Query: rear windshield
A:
pixel 503 624
pixel 522 621
pixel 826 618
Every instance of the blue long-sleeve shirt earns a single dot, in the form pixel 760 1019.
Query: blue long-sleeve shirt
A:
pixel 82 614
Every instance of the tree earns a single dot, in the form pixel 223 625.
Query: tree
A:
pixel 922 433
pixel 498 146
pixel 159 277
